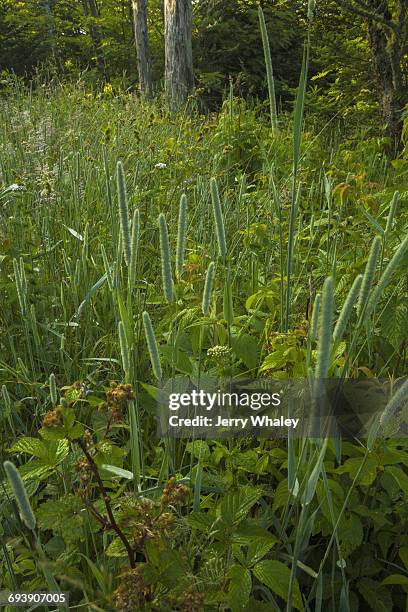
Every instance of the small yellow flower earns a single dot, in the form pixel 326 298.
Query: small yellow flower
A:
pixel 108 89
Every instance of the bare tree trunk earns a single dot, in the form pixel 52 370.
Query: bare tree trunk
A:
pixel 179 77
pixel 144 60
pixel 386 57
pixel 386 91
pixel 387 25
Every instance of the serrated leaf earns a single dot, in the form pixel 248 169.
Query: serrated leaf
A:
pixel 276 576
pixel 259 547
pixel 235 506
pixel 62 517
pixel 202 521
pixel 240 587
pixel 246 348
pixel 30 446
pixel 38 469
pixel 116 549
pixel 394 323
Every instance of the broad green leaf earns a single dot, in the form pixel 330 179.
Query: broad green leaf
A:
pixel 202 521
pixel 240 587
pixel 400 478
pixel 396 579
pixel 276 576
pixel 368 473
pixel 235 506
pixel 63 517
pixel 259 547
pixel 377 597
pixel 246 348
pixel 403 553
pixel 30 446
pixel 116 549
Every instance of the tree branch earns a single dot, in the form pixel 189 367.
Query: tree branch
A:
pixel 112 521
pixel 367 14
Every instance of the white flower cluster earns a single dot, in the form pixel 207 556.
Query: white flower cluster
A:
pixel 219 352
pixel 160 166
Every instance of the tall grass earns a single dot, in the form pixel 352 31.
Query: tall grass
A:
pixel 94 298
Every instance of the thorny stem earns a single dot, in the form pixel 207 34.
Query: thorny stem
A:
pixel 101 519
pixel 112 521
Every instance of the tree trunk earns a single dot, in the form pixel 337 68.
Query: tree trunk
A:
pixel 144 61
pixel 179 77
pixel 387 28
pixel 90 9
pixel 384 63
pixel 386 56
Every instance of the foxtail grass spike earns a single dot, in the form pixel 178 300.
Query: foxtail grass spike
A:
pixel 165 259
pixel 123 211
pixel 368 275
pixel 315 317
pixel 208 287
pixel 53 389
pixel 325 330
pixel 311 8
pixel 347 309
pixel 181 235
pixel 395 402
pixel 386 275
pixel 124 348
pixel 134 247
pixel 389 411
pixel 392 212
pixel 152 346
pixel 228 307
pixel 6 400
pixel 219 220
pixel 269 71
pixel 16 483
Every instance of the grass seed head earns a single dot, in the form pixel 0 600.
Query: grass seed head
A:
pixel 152 346
pixel 24 506
pixel 219 219
pixel 165 260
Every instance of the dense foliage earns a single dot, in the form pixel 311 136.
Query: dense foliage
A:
pixel 56 33
pixel 238 238
pixel 224 533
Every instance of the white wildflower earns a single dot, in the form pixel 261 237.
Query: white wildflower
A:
pixel 14 187
pixel 160 166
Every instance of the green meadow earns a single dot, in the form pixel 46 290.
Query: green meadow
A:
pixel 139 246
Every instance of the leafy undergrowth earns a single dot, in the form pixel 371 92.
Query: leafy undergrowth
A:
pixel 95 289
